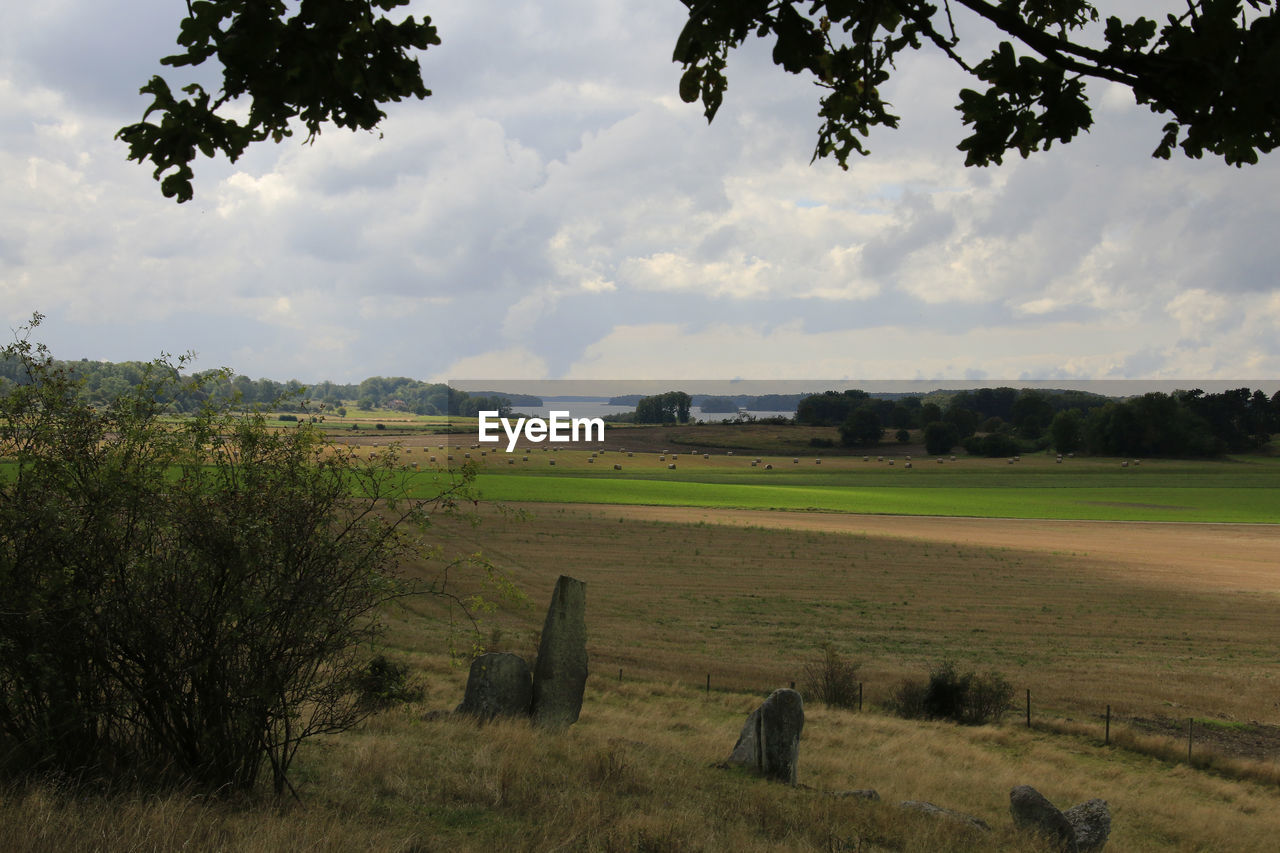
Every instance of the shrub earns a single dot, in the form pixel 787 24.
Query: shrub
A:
pixel 994 445
pixel 940 437
pixel 287 418
pixel 966 698
pixel 903 436
pixel 184 602
pixel 379 426
pixel 383 683
pixel 908 701
pixel 831 679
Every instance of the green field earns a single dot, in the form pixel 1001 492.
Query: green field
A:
pixel 1233 490
pixel 1114 504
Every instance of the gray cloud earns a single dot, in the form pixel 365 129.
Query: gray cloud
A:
pixel 554 202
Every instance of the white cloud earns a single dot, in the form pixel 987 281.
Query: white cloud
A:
pixel 555 206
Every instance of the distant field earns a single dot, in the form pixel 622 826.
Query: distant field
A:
pixel 1111 504
pixel 1233 490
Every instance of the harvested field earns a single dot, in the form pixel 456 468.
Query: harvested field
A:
pixel 1190 556
pixel 1155 620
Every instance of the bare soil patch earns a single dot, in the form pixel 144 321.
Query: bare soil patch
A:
pixel 1256 741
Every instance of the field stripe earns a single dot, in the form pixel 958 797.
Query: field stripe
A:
pixel 1212 504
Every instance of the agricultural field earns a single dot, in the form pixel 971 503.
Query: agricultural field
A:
pixel 1150 589
pixel 1244 489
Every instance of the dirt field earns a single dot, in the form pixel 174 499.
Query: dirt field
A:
pixel 1244 557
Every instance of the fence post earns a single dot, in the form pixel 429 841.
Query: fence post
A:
pixel 859 695
pixel 708 684
pixel 1190 721
pixel 1107 738
pixel 1028 707
pixel 619 673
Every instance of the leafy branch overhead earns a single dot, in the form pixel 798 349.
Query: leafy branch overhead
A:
pixel 333 61
pixel 1213 69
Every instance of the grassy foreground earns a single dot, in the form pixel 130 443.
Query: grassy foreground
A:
pixel 669 604
pixel 637 774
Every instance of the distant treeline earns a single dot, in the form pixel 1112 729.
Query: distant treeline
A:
pixel 1002 421
pixel 104 381
pixel 730 404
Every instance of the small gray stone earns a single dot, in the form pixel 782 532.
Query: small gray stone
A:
pixel 1092 824
pixel 560 674
pixel 498 685
pixel 945 813
pixel 770 740
pixel 859 794
pixel 1034 813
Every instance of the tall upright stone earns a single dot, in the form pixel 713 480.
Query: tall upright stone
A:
pixel 498 685
pixel 560 674
pixel 770 740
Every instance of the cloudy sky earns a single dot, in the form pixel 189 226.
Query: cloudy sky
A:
pixel 555 211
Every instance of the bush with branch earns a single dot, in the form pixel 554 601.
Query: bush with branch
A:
pixel 187 602
pixel 831 679
pixel 968 698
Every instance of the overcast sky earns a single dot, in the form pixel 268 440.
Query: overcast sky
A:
pixel 555 211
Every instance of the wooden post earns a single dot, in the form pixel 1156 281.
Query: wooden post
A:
pixel 708 683
pixel 793 685
pixel 859 695
pixel 619 673
pixel 1028 707
pixel 1107 738
pixel 1190 721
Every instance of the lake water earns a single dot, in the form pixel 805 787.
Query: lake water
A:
pixel 592 409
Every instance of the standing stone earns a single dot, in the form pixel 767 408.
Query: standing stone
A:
pixel 1092 824
pixel 499 685
pixel 770 739
pixel 1034 813
pixel 560 674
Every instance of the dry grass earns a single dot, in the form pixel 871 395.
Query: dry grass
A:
pixel 751 606
pixel 638 772
pixel 670 603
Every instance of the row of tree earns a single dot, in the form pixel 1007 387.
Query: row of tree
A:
pixel 102 382
pixel 1003 421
